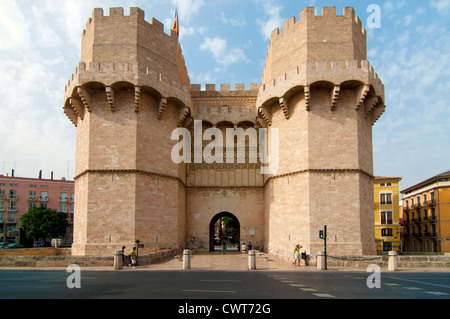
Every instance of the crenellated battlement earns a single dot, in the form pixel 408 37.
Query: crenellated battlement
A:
pixel 335 72
pixel 135 14
pixel 308 16
pixel 109 73
pixel 224 87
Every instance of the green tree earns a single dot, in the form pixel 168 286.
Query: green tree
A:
pixel 42 223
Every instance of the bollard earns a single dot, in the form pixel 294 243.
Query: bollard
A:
pixel 393 261
pixel 321 261
pixel 186 259
pixel 251 260
pixel 118 260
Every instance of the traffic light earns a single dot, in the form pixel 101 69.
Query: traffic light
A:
pixel 321 234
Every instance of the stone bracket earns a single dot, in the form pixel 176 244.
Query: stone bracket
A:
pixel 284 106
pixel 137 98
pixel 364 93
pixel 369 105
pixel 307 97
pixel 85 97
pixel 335 96
pixel 78 106
pixel 161 107
pixel 111 99
pixel 182 115
pixel 266 114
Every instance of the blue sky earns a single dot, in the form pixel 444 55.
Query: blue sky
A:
pixel 225 42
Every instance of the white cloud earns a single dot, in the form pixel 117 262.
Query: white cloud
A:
pixel 224 56
pixel 187 9
pixel 240 22
pixel 14 28
pixel 274 19
pixel 442 6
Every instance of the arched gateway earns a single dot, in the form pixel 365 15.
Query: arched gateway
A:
pixel 224 227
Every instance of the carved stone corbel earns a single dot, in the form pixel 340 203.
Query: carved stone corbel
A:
pixel 362 97
pixel 111 99
pixel 182 115
pixel 369 105
pixel 335 96
pixel 284 106
pixel 137 98
pixel 77 106
pixel 85 97
pixel 265 114
pixel 307 97
pixel 161 107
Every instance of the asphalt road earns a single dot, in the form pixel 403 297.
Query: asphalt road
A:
pixel 220 285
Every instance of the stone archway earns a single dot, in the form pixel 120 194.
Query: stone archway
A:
pixel 216 237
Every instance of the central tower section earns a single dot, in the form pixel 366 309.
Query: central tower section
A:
pixel 128 93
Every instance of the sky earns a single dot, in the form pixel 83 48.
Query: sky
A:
pixel 226 41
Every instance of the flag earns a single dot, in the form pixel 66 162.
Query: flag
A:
pixel 176 25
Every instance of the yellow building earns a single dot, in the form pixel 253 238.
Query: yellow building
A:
pixel 387 213
pixel 426 213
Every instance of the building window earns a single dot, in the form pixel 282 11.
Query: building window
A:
pixel 386 232
pixel 387 246
pixel 12 207
pixel 63 207
pixel 386 217
pixel 386 198
pixel 12 194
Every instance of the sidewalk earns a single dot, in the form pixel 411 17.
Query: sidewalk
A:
pixel 233 261
pixel 230 261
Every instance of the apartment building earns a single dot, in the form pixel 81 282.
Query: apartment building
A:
pixel 19 194
pixel 426 213
pixel 387 213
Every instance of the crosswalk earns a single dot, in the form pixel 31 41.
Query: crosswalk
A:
pixel 387 282
pixel 301 287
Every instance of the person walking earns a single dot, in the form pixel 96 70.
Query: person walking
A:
pixel 133 258
pixel 243 249
pixel 297 254
pixel 123 257
pixel 224 247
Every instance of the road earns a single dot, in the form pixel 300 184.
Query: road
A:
pixel 254 285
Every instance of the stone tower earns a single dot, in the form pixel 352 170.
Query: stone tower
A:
pixel 128 93
pixel 131 90
pixel 322 95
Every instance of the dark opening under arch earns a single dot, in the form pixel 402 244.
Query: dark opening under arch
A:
pixel 224 227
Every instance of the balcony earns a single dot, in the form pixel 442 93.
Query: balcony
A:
pixel 12 197
pixel 417 220
pixel 431 202
pixel 43 198
pixel 32 198
pixel 63 199
pixel 430 234
pixel 2 196
pixel 406 209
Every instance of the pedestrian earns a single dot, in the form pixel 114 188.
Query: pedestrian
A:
pixel 249 246
pixel 123 257
pixel 243 249
pixel 297 254
pixel 224 247
pixel 133 258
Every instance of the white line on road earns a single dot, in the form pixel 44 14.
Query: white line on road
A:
pixel 213 291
